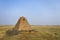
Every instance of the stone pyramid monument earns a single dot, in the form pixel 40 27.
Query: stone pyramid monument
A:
pixel 22 24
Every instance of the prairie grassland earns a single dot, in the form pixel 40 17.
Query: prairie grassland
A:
pixel 43 33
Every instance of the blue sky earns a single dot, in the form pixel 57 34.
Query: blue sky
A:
pixel 37 12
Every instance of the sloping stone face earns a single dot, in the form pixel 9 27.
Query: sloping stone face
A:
pixel 22 24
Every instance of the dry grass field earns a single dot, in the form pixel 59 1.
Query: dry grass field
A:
pixel 43 33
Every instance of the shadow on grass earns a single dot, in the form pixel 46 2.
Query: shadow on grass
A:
pixel 16 32
pixel 12 32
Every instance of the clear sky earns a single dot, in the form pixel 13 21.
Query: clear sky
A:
pixel 37 12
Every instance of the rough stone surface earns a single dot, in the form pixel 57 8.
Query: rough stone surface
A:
pixel 22 24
